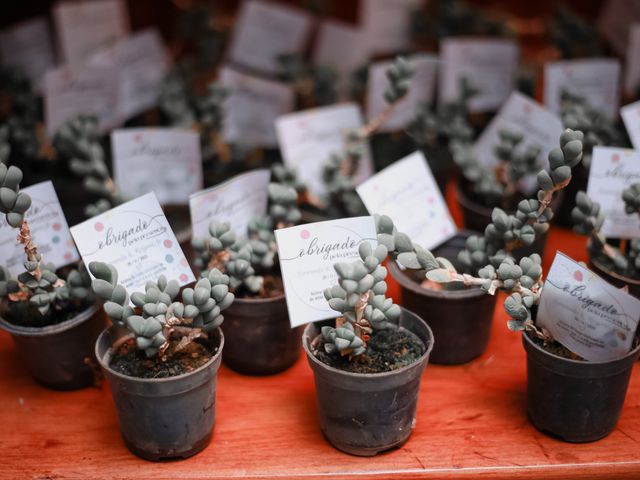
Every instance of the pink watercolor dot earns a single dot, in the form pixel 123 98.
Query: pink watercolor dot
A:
pixel 70 243
pixel 304 234
pixel 527 109
pixel 57 227
pixel 184 262
pixel 615 157
pixel 183 277
pixel 577 275
pixel 67 256
pixel 167 243
pixel 98 226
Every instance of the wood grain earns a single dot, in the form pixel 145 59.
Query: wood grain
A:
pixel 471 423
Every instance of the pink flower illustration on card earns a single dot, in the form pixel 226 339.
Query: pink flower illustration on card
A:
pixel 304 234
pixel 98 227
pixel 577 275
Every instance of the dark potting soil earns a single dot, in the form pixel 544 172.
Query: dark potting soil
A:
pixel 133 362
pixel 554 348
pixel 560 350
pixel 387 350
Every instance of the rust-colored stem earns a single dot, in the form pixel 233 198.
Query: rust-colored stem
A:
pixel 375 122
pixel 30 248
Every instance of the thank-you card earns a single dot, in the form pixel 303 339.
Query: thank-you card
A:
pixel 407 192
pixel 236 201
pixel 586 314
pixel 49 231
pixel 136 239
pixel 307 254
pixel 613 170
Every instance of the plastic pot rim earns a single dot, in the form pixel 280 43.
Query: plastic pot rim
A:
pixel 104 363
pixel 23 331
pixel 528 343
pixel 612 273
pixel 306 339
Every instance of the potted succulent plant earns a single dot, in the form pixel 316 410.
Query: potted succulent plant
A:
pixel 368 363
pixel 460 312
pixel 161 357
pixel 260 309
pixel 54 321
pixel 481 189
pixel 619 265
pixel 567 396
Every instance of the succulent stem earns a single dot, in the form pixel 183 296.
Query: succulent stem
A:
pixel 30 248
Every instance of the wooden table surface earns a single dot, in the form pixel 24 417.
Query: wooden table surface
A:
pixel 471 422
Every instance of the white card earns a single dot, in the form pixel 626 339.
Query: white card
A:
pixel 142 64
pixel 161 160
pixel 71 91
pixel 631 117
pixel 252 107
pixel 49 231
pixel 586 314
pixel 134 237
pixel 407 192
pixel 28 47
pixel 614 20
pixel 612 170
pixel 330 51
pixel 307 254
pixel 489 64
pixel 595 79
pixel 520 114
pixel 632 64
pixel 83 28
pixel 387 23
pixel 422 89
pixel 236 201
pixel 266 30
pixel 308 138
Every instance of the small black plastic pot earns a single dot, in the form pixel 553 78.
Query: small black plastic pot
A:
pixel 259 339
pixel 573 400
pixel 614 278
pixel 59 356
pixel 477 217
pixel 460 319
pixel 366 414
pixel 163 418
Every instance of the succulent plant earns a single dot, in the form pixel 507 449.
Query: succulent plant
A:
pixel 39 286
pixel 248 260
pixel 182 107
pixel 359 296
pixel 588 220
pixel 487 261
pixel 340 169
pixel 77 142
pixel 315 85
pixel 160 324
pixel 598 129
pixel 499 187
